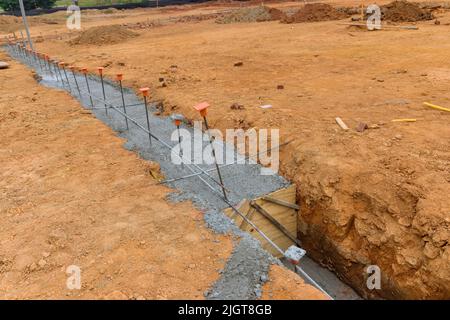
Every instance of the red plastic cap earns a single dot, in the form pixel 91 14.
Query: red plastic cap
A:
pixel 119 77
pixel 62 64
pixel 144 91
pixel 84 70
pixel 100 70
pixel 71 67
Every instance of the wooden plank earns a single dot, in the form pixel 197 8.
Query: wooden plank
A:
pixel 281 202
pixel 274 222
pixel 285 216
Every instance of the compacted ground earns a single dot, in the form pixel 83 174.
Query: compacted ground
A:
pixel 71 195
pixel 377 196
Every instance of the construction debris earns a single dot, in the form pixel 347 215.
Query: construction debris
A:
pixel 4 65
pixel 341 123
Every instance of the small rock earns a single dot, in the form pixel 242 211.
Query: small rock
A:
pixel 46 254
pixel 361 127
pixel 280 87
pixel 264 278
pixel 238 64
pixel 237 106
pixel 42 263
pixel 4 65
pixel 437 22
pixel 430 251
pixel 398 137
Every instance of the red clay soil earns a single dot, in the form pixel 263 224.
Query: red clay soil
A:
pixel 276 14
pixel 403 11
pixel 315 12
pixel 104 35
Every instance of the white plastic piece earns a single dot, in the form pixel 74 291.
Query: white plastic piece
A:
pixel 294 254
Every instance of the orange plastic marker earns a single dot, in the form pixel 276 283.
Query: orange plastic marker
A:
pixel 202 108
pixel 144 91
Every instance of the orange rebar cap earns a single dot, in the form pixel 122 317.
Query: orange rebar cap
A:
pixel 100 70
pixel 84 70
pixel 46 57
pixel 144 91
pixel 202 108
pixel 177 122
pixel 119 77
pixel 62 64
pixel 71 68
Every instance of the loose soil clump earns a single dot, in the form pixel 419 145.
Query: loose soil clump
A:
pixel 104 35
pixel 256 14
pixel 313 12
pixel 404 11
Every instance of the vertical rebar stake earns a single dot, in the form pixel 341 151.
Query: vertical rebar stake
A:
pixel 119 78
pixel 177 119
pixel 72 68
pixel 144 92
pixel 62 64
pixel 47 59
pixel 100 71
pixel 203 109
pixel 85 70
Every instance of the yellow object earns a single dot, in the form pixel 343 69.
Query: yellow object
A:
pixel 436 107
pixel 404 120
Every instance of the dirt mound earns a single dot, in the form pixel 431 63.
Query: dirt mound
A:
pixel 404 11
pixel 104 35
pixel 256 14
pixel 9 24
pixel 315 12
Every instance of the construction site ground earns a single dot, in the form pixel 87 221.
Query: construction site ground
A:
pixel 376 197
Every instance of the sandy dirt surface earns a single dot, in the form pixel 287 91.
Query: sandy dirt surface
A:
pixel 374 197
pixel 287 286
pixel 72 195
